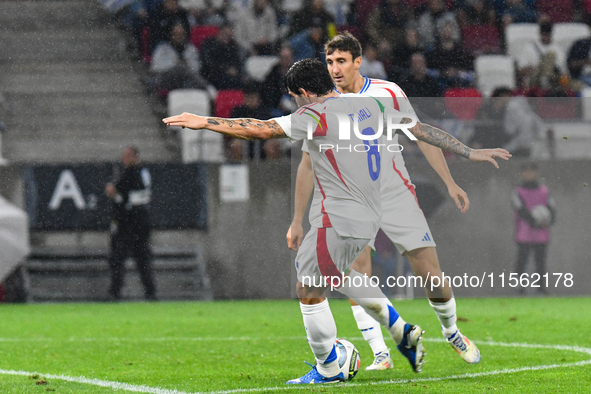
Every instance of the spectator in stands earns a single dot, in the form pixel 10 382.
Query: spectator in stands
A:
pixel 251 108
pixel 489 127
pixel 175 63
pixel 256 29
pixel 313 14
pixel 370 65
pixel 523 126
pixel 386 24
pixel 476 12
pixel 273 92
pixel 579 61
pixel 308 43
pixel 399 63
pixel 449 58
pixel 517 11
pixel 130 228
pixel 167 14
pixel 204 12
pixel 433 20
pixel 419 83
pixel 542 62
pixel 222 61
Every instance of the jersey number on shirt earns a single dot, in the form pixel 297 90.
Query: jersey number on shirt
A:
pixel 373 155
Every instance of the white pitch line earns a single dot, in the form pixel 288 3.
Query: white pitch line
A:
pixel 97 382
pixel 156 390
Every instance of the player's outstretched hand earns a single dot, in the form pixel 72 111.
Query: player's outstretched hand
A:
pixel 489 155
pixel 294 236
pixel 186 120
pixel 460 197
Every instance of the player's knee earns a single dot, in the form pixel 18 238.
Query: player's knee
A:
pixel 310 295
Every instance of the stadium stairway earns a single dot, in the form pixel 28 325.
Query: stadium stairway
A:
pixel 74 92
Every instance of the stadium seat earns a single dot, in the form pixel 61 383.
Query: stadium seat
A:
pixel 201 33
pixel 558 10
pixel 481 39
pixel 196 145
pixel 518 35
pixel 291 6
pixel 463 103
pixel 226 100
pixel 557 107
pixel 565 34
pixel 258 67
pixel 195 101
pixel 494 71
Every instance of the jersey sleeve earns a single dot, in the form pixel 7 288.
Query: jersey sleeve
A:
pixel 285 124
pixel 295 126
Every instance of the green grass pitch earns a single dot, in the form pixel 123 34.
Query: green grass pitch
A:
pixel 528 345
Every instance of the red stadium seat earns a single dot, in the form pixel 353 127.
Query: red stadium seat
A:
pixel 558 10
pixel 481 39
pixel 226 101
pixel 201 33
pixel 557 107
pixel 463 103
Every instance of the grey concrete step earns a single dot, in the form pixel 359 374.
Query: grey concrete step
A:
pixel 75 149
pixel 79 108
pixel 48 15
pixel 73 90
pixel 69 77
pixel 68 45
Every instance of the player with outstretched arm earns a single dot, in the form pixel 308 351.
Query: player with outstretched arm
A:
pixel 402 218
pixel 351 206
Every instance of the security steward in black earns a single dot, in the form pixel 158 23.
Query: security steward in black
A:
pixel 130 228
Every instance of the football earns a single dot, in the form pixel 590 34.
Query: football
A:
pixel 541 215
pixel 348 357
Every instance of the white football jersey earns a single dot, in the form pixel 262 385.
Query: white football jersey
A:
pixel 346 171
pixel 396 178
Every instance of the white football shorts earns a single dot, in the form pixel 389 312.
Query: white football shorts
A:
pixel 325 254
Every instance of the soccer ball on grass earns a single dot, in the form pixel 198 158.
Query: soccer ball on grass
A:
pixel 348 358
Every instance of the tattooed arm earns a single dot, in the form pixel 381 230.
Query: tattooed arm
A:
pixel 441 139
pixel 244 128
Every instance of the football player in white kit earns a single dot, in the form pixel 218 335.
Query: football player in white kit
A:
pixel 349 213
pixel 402 218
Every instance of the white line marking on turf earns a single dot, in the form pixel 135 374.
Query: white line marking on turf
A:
pixel 97 382
pixel 156 390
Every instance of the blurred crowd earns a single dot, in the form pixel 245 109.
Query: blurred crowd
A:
pixel 428 47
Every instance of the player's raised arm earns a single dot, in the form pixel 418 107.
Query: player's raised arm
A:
pixel 441 139
pixel 244 128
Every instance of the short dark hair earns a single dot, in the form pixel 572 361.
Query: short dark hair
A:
pixel 344 42
pixel 134 149
pixel 310 75
pixel 529 166
pixel 546 27
pixel 502 91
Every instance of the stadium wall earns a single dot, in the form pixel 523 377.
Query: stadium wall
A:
pixel 246 251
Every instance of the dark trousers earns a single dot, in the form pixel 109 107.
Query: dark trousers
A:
pixel 129 240
pixel 539 252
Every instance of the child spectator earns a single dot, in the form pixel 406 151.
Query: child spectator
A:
pixel 534 213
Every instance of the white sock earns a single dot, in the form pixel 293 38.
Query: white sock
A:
pixel 446 313
pixel 370 329
pixel 375 303
pixel 321 332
